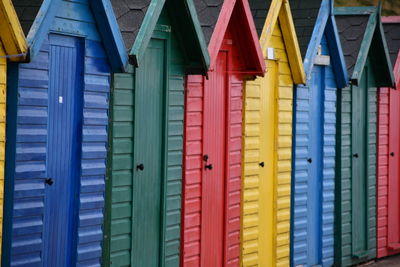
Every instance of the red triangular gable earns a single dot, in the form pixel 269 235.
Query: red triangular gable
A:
pixel 249 45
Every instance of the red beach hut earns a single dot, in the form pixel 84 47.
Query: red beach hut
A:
pixel 213 135
pixel 388 175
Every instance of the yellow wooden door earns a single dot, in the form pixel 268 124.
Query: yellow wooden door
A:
pixel 3 79
pixel 268 140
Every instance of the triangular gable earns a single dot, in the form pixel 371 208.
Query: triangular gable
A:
pixel 186 24
pixel 280 10
pixel 326 23
pixel 11 34
pixel 391 26
pixel 373 39
pixel 248 31
pixel 44 16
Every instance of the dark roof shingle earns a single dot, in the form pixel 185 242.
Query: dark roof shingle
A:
pixel 208 12
pixel 351 30
pixel 27 11
pixel 259 9
pixel 130 15
pixel 305 13
pixel 392 33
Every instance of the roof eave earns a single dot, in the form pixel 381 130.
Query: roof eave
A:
pixel 12 35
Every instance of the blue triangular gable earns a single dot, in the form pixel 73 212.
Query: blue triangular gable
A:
pixel 326 23
pixel 104 18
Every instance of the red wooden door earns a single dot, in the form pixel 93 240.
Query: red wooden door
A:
pixel 214 165
pixel 394 172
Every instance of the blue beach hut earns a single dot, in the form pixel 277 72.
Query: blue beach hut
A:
pixel 314 130
pixel 57 114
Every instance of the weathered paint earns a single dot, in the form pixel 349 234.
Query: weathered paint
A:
pixel 267 145
pixel 30 219
pixel 388 172
pixel 13 47
pixel 143 205
pixel 313 185
pixel 213 136
pixel 356 150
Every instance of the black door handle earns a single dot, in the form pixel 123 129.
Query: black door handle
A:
pixel 262 164
pixel 49 181
pixel 392 154
pixel 208 166
pixel 140 167
pixel 205 158
pixel 355 155
pixel 309 160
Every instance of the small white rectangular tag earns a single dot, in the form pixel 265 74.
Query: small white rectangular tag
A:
pixel 271 53
pixel 60 99
pixel 322 60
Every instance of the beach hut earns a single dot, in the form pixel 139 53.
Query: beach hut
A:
pixel 369 68
pixel 265 223
pixel 57 118
pixel 13 48
pixel 164 42
pixel 388 170
pixel 213 135
pixel 314 129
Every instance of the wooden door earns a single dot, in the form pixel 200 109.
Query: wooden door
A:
pixel 359 186
pixel 315 165
pixel 394 171
pixel 214 164
pixel 148 177
pixel 267 182
pixel 64 150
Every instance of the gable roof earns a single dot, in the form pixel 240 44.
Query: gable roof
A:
pixel 361 31
pixel 37 15
pixel 137 21
pixel 216 16
pixel 391 26
pixel 324 22
pixel 11 34
pixel 279 12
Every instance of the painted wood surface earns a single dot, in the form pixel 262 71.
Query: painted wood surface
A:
pixel 198 143
pixel 388 232
pixel 3 91
pixel 355 195
pixel 388 174
pixel 122 161
pixel 27 147
pixel 268 134
pixel 314 167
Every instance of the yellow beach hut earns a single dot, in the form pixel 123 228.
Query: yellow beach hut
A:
pixel 13 47
pixel 267 145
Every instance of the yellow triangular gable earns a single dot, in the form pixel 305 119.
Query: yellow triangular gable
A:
pixel 11 34
pixel 280 9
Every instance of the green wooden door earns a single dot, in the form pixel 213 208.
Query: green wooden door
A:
pixel 148 157
pixel 359 167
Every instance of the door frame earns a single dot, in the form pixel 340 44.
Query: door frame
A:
pixel 224 49
pixel 161 32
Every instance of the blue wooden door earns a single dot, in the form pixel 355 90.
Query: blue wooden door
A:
pixel 315 177
pixel 64 149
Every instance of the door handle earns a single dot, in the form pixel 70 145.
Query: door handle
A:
pixel 140 167
pixel 392 154
pixel 49 181
pixel 309 160
pixel 262 164
pixel 208 166
pixel 355 155
pixel 205 158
